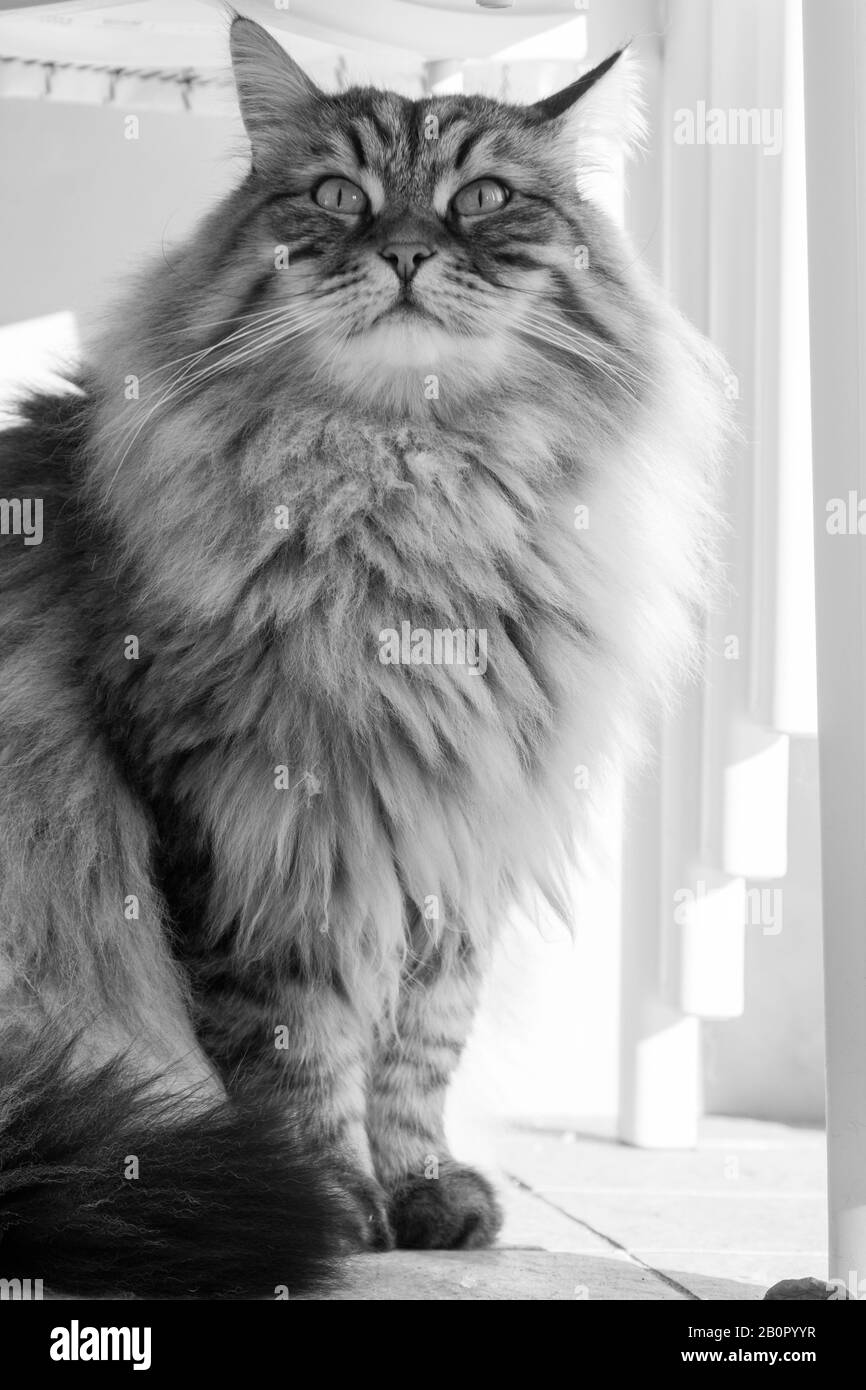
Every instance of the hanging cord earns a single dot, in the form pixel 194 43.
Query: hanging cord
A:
pixel 186 79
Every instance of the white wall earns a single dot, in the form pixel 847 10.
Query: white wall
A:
pixel 81 204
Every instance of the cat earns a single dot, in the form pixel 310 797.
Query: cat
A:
pixel 263 812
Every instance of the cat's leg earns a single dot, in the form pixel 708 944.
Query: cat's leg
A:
pixel 434 1201
pixel 307 1038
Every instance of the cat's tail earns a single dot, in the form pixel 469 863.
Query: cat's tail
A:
pixel 110 1189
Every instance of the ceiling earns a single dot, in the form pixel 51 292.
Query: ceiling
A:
pixel 413 46
pixel 191 33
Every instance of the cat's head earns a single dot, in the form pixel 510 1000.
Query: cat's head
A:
pixel 446 236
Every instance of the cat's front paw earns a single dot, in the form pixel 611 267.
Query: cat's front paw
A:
pixel 368 1226
pixel 456 1210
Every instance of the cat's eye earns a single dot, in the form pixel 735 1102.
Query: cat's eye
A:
pixel 480 197
pixel 339 195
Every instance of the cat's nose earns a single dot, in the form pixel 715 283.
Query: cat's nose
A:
pixel 405 257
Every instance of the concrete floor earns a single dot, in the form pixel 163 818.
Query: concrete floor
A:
pixel 587 1218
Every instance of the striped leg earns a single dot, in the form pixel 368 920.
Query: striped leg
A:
pixel 434 1202
pixel 306 1040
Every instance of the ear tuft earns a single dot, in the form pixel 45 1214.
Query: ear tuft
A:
pixel 560 101
pixel 599 114
pixel 270 85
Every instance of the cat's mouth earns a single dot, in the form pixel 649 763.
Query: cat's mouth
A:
pixel 405 306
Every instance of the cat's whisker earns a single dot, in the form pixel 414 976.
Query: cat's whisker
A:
pixel 272 315
pixel 240 355
pixel 567 342
pixel 192 359
pixel 195 327
pixel 583 348
pixel 605 354
pixel 586 346
pixel 598 348
pixel 253 349
pixel 191 377
pixel 203 352
pixel 613 377
pixel 184 381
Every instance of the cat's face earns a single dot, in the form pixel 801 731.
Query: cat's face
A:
pixel 416 237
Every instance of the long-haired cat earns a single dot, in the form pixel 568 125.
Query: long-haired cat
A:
pixel 378 511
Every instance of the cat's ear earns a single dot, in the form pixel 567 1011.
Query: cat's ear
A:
pixel 598 115
pixel 269 83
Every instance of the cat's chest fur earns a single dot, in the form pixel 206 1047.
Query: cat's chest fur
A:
pixel 411 515
pixel 323 538
pixel 328 765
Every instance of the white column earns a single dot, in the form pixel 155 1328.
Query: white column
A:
pixel 835 83
pixel 659 1055
pixel 714 819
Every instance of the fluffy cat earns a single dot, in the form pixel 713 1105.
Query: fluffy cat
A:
pixel 404 390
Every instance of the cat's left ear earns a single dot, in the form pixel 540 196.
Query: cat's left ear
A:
pixel 271 88
pixel 597 115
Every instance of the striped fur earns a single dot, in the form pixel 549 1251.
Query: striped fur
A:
pixel 265 470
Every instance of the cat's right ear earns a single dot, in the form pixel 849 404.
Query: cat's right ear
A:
pixel 269 83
